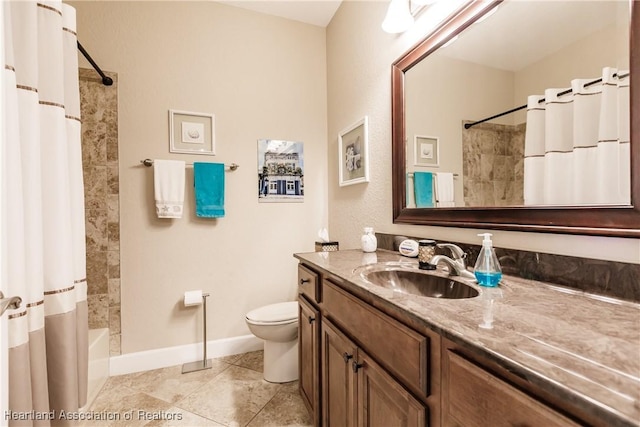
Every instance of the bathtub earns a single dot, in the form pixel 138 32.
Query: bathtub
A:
pixel 98 363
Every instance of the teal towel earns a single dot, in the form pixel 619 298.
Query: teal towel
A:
pixel 208 180
pixel 423 189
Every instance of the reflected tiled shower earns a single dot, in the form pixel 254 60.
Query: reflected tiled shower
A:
pixel 99 110
pixel 493 164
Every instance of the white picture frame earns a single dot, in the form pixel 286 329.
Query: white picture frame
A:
pixel 426 151
pixel 353 154
pixel 191 133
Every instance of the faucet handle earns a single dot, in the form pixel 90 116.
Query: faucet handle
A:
pixel 456 251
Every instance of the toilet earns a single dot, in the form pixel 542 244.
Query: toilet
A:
pixel 277 325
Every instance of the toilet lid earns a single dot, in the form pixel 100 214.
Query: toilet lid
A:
pixel 275 312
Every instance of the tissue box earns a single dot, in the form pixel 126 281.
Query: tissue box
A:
pixel 327 246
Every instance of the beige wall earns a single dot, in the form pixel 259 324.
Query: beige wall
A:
pixel 583 59
pixel 463 91
pixel 262 77
pixel 359 55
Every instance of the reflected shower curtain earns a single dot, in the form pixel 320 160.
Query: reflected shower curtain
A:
pixel 577 148
pixel 43 239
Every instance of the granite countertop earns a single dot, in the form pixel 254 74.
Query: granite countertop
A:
pixel 581 347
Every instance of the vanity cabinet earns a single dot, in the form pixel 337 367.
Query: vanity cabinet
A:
pixel 369 359
pixel 357 391
pixel 399 349
pixel 370 365
pixel 338 379
pixel 473 396
pixel 358 365
pixel 309 340
pixel 308 352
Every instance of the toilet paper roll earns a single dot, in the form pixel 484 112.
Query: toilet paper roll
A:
pixel 192 298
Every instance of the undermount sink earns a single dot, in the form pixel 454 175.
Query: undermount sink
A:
pixel 418 282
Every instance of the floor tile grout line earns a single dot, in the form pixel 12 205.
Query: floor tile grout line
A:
pixel 167 376
pixel 265 405
pixel 176 404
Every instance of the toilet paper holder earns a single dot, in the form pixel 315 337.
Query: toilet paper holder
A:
pixel 204 363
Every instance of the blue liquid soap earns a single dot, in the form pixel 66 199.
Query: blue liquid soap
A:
pixel 488 279
pixel 487 269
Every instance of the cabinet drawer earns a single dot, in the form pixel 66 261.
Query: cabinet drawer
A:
pixel 308 283
pixel 401 351
pixel 475 397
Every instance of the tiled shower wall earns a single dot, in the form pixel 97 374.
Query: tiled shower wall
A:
pixel 99 109
pixel 493 165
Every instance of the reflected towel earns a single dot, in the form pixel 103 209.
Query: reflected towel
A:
pixel 208 180
pixel 423 189
pixel 168 182
pixel 444 190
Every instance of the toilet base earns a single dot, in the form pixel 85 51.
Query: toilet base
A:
pixel 281 361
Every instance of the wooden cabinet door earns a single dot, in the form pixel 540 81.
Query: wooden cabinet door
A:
pixel 338 378
pixel 382 401
pixel 308 357
pixel 473 397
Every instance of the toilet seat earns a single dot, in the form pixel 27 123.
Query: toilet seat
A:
pixel 274 314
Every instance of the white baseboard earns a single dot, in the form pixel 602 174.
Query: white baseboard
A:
pixel 171 356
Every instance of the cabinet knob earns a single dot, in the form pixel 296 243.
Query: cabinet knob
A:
pixel 303 281
pixel 355 366
pixel 311 319
pixel 346 356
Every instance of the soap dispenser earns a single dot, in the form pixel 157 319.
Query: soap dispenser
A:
pixel 487 269
pixel 368 241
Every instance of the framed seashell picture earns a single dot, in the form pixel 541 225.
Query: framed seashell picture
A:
pixel 191 133
pixel 353 153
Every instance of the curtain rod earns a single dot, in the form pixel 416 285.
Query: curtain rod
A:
pixel 522 107
pixel 106 80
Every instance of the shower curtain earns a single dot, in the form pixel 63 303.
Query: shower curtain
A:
pixel 43 238
pixel 577 148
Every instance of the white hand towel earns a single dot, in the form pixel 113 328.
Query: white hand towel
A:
pixel 168 180
pixel 444 190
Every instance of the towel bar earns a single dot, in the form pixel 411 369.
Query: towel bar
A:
pixel 411 174
pixel 148 163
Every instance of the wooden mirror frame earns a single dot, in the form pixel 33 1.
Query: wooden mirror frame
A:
pixel 619 221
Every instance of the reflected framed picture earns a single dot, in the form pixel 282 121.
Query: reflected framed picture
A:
pixel 191 133
pixel 427 151
pixel 353 154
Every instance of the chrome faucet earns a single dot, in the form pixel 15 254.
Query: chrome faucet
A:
pixel 457 264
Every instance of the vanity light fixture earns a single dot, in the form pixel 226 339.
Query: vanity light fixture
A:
pixel 398 18
pixel 401 13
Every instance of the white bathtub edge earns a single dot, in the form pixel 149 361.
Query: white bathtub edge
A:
pixel 171 356
pixel 98 363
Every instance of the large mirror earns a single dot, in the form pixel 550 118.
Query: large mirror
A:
pixel 521 116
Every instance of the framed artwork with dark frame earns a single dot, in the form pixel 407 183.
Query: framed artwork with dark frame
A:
pixel 353 154
pixel 191 133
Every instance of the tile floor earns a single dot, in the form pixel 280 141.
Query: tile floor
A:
pixel 231 393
